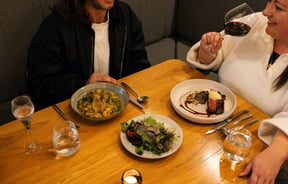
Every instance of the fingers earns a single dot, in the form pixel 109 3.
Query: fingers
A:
pixel 98 77
pixel 255 179
pixel 211 42
pixel 212 38
pixel 107 78
pixel 247 170
pixel 257 175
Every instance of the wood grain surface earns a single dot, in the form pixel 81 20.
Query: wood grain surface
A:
pixel 101 157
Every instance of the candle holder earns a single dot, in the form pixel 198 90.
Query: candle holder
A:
pixel 131 176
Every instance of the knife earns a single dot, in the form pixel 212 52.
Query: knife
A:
pixel 58 110
pixel 238 121
pixel 224 122
pixel 228 130
pixel 135 102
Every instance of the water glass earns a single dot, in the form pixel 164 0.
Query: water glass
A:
pixel 237 145
pixel 65 138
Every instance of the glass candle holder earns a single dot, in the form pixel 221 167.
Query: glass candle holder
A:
pixel 131 176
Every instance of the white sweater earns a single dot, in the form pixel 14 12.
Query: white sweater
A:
pixel 242 64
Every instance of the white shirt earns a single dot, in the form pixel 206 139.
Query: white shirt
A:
pixel 242 64
pixel 101 48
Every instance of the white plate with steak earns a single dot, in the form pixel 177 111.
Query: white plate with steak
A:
pixel 203 101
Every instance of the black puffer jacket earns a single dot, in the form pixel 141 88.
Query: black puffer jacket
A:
pixel 60 57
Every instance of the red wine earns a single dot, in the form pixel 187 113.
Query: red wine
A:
pixel 237 28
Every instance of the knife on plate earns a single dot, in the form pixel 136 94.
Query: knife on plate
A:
pixel 224 122
pixel 135 102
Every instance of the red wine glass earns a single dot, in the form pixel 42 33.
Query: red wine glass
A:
pixel 236 23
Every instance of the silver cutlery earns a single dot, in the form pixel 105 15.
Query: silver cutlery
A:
pixel 60 112
pixel 235 123
pixel 227 131
pixel 139 98
pixel 224 122
pixel 135 102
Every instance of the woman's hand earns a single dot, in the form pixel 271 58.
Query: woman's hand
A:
pixel 266 165
pixel 263 168
pixel 99 77
pixel 210 44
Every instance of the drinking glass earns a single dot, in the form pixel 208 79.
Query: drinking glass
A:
pixel 237 144
pixel 65 138
pixel 235 24
pixel 131 176
pixel 23 108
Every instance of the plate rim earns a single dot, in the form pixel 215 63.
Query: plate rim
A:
pixel 78 93
pixel 131 149
pixel 202 120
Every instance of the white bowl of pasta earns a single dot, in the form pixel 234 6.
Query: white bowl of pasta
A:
pixel 99 101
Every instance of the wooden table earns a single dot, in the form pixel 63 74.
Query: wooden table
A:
pixel 101 157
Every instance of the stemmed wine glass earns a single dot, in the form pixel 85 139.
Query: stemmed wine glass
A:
pixel 236 23
pixel 23 108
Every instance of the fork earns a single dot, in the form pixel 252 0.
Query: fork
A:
pixel 225 129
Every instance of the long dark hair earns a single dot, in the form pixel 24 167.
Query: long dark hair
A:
pixel 281 79
pixel 71 10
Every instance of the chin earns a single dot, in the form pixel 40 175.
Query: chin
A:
pixel 109 4
pixel 109 7
pixel 270 32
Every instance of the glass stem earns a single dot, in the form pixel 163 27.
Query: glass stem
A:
pixel 30 137
pixel 28 129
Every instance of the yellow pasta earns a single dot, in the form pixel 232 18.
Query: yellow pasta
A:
pixel 99 103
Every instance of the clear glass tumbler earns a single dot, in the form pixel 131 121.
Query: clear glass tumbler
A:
pixel 237 145
pixel 65 138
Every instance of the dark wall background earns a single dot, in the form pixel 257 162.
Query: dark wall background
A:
pixel 193 18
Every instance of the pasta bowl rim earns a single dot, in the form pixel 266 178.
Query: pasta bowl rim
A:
pixel 118 90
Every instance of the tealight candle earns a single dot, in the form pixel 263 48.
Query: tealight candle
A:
pixel 130 179
pixel 131 176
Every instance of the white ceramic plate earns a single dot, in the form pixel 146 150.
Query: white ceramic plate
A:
pixel 147 154
pixel 198 114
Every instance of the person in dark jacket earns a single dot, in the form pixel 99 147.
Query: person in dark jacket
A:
pixel 82 42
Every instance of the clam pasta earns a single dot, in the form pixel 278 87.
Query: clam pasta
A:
pixel 99 103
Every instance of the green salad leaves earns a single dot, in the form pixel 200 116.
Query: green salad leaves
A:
pixel 149 134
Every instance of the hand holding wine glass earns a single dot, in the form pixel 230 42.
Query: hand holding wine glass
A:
pixel 237 22
pixel 210 43
pixel 23 109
